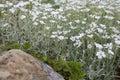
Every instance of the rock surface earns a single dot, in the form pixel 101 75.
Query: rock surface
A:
pixel 18 65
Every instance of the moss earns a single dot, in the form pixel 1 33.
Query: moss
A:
pixel 70 70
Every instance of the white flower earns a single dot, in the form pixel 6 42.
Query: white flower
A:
pixel 100 6
pixel 108 45
pixel 72 38
pixel 85 19
pixel 54 32
pixel 99 30
pixel 77 21
pixel 109 17
pixel 109 12
pixel 85 10
pixel 9 4
pixel 118 22
pixel 100 54
pixel 22 17
pixel 81 35
pixel 47 27
pixel 6 24
pixel 98 45
pixel 68 14
pixel 54 13
pixel 106 36
pixel 90 35
pixel 64 19
pixel 53 36
pixel 97 17
pixel 59 27
pixel 102 26
pixel 117 42
pixel 93 24
pixel 89 46
pixel 3 5
pixel 23 9
pixel 59 32
pixel 44 17
pixel 88 31
pixel 60 9
pixel 92 16
pixel 77 43
pixel 52 21
pixel 83 22
pixel 34 17
pixel 73 27
pixel 42 22
pixel 35 23
pixel 70 23
pixel 21 4
pixel 61 37
pixel 110 52
pixel 48 5
pixel 65 32
pixel 12 10
pixel 31 0
pixel 115 30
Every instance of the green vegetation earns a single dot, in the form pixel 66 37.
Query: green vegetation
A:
pixel 70 70
pixel 71 32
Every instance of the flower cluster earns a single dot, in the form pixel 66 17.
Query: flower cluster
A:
pixel 81 30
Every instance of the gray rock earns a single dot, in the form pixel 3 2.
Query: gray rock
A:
pixel 18 65
pixel 4 74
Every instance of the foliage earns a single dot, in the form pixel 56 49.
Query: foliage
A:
pixel 48 1
pixel 74 30
pixel 70 70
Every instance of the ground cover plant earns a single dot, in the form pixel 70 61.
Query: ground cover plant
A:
pixel 86 31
